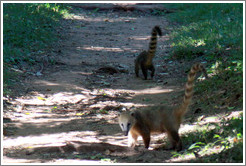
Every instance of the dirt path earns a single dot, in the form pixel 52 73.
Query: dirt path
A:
pixel 69 114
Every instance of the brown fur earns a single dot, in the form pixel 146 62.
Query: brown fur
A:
pixel 144 59
pixel 159 119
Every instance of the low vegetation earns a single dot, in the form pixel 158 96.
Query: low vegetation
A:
pixel 213 34
pixel 29 30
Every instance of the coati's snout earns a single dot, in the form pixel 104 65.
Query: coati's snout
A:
pixel 125 133
pixel 125 129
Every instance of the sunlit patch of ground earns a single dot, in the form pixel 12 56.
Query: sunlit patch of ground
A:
pixel 53 120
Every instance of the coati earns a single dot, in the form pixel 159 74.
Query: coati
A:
pixel 144 59
pixel 159 119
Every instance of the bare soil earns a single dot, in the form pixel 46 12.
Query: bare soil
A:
pixel 68 112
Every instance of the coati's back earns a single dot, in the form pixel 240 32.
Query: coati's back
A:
pixel 157 117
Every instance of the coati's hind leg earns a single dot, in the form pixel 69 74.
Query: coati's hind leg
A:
pixel 136 68
pixel 175 140
pixel 145 71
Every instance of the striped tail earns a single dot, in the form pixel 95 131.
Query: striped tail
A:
pixel 153 41
pixel 189 89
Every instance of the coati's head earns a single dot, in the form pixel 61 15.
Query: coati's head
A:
pixel 126 121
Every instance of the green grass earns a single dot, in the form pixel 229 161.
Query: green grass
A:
pixel 209 31
pixel 212 33
pixel 214 142
pixel 28 30
pixel 224 89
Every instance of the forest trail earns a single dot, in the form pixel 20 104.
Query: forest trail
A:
pixel 68 114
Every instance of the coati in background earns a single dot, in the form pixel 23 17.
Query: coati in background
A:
pixel 144 59
pixel 159 119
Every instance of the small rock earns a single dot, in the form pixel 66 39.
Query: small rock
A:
pixel 39 74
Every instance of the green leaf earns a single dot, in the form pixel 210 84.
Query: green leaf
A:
pixel 230 108
pixel 196 145
pixel 93 157
pixel 216 136
pixel 106 159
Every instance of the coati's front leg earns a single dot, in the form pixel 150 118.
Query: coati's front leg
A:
pixel 132 139
pixel 152 69
pixel 145 71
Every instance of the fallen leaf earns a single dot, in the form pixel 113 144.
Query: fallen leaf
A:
pixel 41 98
pixel 80 114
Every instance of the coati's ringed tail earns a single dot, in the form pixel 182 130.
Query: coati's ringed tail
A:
pixel 189 88
pixel 144 59
pixel 159 118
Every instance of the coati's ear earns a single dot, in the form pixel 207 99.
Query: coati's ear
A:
pixel 132 114
pixel 135 114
